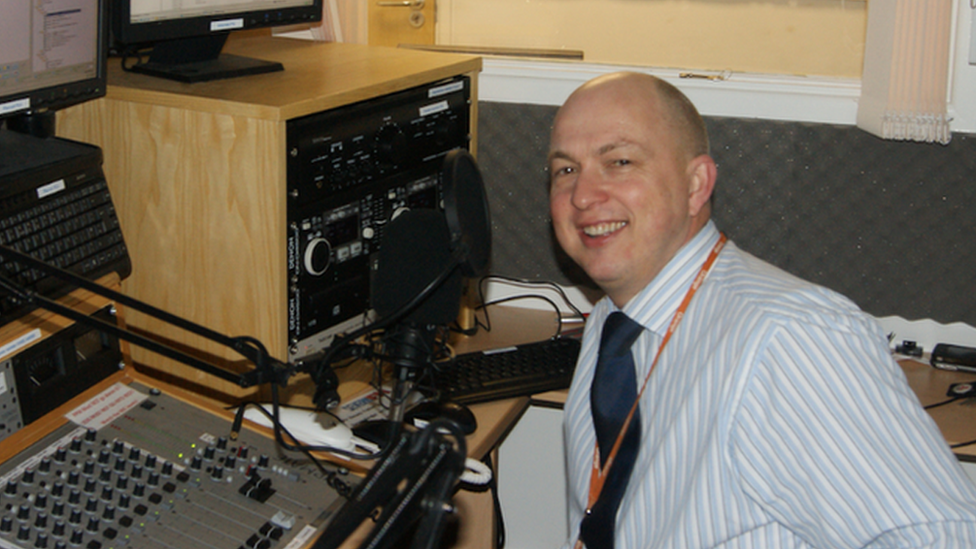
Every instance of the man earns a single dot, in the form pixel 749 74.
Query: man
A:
pixel 773 414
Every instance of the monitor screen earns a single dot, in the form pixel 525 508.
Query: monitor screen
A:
pixel 182 39
pixel 52 55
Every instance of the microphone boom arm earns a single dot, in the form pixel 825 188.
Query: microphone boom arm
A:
pixel 267 369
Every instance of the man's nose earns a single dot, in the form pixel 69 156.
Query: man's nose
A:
pixel 589 189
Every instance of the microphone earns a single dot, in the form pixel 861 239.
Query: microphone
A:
pixel 416 252
pixel 420 268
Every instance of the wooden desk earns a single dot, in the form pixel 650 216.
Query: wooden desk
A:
pixel 957 420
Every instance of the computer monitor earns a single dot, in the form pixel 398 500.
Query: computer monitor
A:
pixel 52 55
pixel 183 39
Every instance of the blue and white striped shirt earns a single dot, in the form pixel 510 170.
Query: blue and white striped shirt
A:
pixel 775 418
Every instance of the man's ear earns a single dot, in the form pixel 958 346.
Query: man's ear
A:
pixel 702 174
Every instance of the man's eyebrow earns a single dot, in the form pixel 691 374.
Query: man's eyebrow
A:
pixel 609 147
pixel 558 155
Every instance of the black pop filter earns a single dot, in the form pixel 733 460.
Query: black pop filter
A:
pixel 466 210
pixel 416 251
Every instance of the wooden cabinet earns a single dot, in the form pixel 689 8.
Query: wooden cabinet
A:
pixel 198 175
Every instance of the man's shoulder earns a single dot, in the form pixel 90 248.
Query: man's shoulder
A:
pixel 757 287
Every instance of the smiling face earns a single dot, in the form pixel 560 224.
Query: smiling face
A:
pixel 626 189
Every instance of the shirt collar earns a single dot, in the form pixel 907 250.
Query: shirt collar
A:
pixel 654 306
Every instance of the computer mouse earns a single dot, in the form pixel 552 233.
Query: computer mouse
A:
pixel 425 412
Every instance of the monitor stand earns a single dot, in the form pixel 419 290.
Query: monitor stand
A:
pixel 199 59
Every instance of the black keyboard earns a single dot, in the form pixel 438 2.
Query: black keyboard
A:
pixel 64 216
pixel 510 372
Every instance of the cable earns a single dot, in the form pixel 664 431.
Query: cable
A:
pixel 331 477
pixel 943 403
pixel 486 324
pixel 476 472
pixel 961 444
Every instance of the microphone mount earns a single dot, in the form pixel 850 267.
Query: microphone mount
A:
pixel 267 369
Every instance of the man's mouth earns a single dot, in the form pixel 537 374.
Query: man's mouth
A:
pixel 603 229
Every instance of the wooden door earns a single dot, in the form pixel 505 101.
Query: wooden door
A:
pixel 394 22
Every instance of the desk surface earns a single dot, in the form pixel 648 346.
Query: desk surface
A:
pixel 955 420
pixel 318 76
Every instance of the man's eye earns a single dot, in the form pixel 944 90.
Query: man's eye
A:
pixel 563 170
pixel 621 162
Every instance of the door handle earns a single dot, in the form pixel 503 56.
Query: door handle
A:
pixel 415 4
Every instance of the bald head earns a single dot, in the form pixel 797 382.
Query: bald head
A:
pixel 659 97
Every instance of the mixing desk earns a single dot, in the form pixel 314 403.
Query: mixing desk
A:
pixel 138 468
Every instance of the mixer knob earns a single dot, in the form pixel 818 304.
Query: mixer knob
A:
pixel 150 461
pixel 60 454
pixel 167 468
pixel 77 536
pixel 41 541
pixel 57 509
pixel 45 465
pixel 222 443
pixel 118 447
pixel 318 256
pixel 6 524
pixel 104 456
pixel 28 477
pixel 196 463
pixel 391 144
pixel 209 453
pixel 58 529
pixel 11 489
pixel 91 434
pixel 41 521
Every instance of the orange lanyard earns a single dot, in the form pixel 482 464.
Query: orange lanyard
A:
pixel 598 475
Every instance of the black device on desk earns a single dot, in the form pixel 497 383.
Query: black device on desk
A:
pixel 183 40
pixel 55 205
pixel 521 370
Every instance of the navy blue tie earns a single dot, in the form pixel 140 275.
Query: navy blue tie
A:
pixel 612 395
